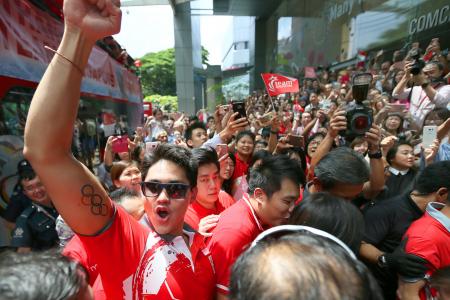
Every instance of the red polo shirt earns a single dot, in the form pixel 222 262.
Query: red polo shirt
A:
pixel 240 168
pixel 238 226
pixel 225 199
pixel 429 238
pixel 196 212
pixel 136 263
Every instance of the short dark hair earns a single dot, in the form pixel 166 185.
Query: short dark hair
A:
pixel 119 166
pixel 433 177
pixel 390 155
pixel 25 170
pixel 272 171
pixel 243 133
pixel 206 156
pixel 307 267
pixel 40 275
pixel 261 154
pixel 176 154
pixel 191 128
pixel 333 215
pixel 342 165
pixel 298 151
pixel 120 194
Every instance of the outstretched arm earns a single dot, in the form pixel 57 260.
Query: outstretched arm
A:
pixel 75 192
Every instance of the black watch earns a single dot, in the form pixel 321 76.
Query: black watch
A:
pixel 382 262
pixel 376 155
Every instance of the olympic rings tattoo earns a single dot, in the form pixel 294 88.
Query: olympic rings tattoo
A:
pixel 95 201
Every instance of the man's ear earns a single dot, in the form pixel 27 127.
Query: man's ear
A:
pixel 317 185
pixel 259 195
pixel 189 143
pixel 193 195
pixel 116 183
pixel 442 195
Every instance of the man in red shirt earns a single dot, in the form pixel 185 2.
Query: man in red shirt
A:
pixel 273 189
pixel 429 238
pixel 205 210
pixel 134 262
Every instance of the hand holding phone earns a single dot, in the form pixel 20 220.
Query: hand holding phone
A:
pixel 120 144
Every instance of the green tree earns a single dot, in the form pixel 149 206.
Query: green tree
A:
pixel 158 72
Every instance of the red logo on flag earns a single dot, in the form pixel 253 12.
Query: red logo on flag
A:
pixel 277 84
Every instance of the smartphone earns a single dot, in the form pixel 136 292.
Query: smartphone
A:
pixel 221 149
pixel 120 144
pixel 397 107
pixel 239 107
pixel 428 135
pixel 151 146
pixel 296 140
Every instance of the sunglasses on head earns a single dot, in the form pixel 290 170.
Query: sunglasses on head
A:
pixel 174 190
pixel 280 231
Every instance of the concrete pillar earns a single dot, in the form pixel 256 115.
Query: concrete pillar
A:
pixel 258 59
pixel 187 58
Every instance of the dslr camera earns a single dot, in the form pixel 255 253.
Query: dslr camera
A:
pixel 359 116
pixel 419 63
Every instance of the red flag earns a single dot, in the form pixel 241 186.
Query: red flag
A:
pixel 277 84
pixel 310 73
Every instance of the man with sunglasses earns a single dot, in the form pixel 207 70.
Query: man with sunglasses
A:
pixel 134 262
pixel 273 190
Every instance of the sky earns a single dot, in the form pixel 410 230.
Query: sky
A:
pixel 150 29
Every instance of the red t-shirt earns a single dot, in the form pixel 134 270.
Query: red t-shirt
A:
pixel 430 239
pixel 225 199
pixel 238 226
pixel 196 212
pixel 136 263
pixel 240 168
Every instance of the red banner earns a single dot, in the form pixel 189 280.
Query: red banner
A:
pixel 277 84
pixel 25 30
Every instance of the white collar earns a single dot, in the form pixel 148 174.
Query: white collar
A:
pixel 396 172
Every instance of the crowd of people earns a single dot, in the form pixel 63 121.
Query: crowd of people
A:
pixel 279 202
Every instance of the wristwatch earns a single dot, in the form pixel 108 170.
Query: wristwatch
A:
pixel 376 155
pixel 382 262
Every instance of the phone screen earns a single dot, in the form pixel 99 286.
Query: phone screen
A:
pixel 221 149
pixel 296 141
pixel 151 146
pixel 239 107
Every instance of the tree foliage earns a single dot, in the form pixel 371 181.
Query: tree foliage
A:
pixel 158 72
pixel 166 103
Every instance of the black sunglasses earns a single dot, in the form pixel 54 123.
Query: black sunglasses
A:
pixel 174 190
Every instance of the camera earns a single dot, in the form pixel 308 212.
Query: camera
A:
pixel 359 116
pixel 419 63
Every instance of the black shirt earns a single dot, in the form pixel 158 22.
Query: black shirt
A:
pixel 35 228
pixel 397 184
pixel 385 224
pixel 17 204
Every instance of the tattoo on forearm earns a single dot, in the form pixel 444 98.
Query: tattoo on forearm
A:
pixel 95 201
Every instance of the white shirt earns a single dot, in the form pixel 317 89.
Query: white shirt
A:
pixel 421 105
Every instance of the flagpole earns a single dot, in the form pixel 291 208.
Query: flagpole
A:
pixel 268 93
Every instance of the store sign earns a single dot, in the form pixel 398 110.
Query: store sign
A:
pixel 337 10
pixel 430 20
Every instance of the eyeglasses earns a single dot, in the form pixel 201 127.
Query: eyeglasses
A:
pixel 174 190
pixel 282 230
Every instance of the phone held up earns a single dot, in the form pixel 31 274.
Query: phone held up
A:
pixel 120 144
pixel 151 146
pixel 221 149
pixel 239 107
pixel 429 135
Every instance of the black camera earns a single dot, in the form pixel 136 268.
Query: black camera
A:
pixel 359 116
pixel 419 63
